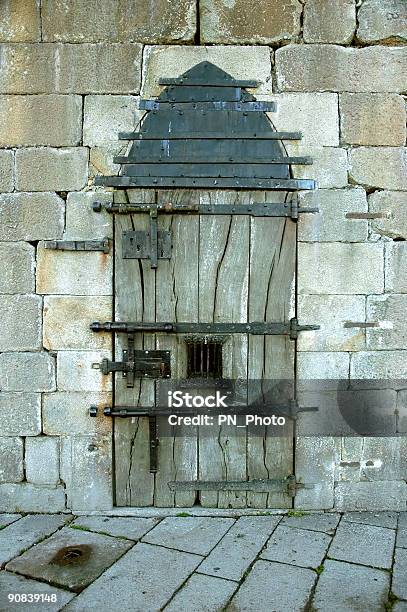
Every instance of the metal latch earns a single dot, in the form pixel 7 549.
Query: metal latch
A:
pixel 147 245
pixel 138 364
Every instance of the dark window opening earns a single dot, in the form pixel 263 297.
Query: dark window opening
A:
pixel 204 359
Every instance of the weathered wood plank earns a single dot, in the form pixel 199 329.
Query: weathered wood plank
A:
pixel 271 359
pixel 134 298
pixel 177 300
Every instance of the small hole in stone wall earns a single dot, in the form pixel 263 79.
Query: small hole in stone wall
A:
pixel 399 239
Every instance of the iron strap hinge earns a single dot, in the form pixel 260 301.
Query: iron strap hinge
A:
pixel 290 329
pixel 288 485
pixel 79 245
pixel 257 209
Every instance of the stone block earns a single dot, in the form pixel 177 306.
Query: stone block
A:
pixel 27 69
pixel 393 206
pixel 236 22
pixel 341 583
pixel 200 592
pixel 21 322
pixel 314 465
pixel 241 62
pixel 135 581
pixel 31 216
pixel 379 365
pixel 27 531
pixel 315 115
pixel 11 459
pixel 12 583
pixel 402 412
pixel 118 68
pixel 20 414
pixel 75 372
pixel 26 497
pixel 20 21
pixel 106 116
pixel 269 586
pixel 42 460
pixel 67 320
pixel 391 495
pixel 390 312
pixel 380 167
pixel 46 169
pixel 399 587
pixel 18 267
pixel 161 22
pixel 330 223
pixel 329 22
pixel 32 372
pixel 50 120
pixel 193 534
pixel 239 547
pixel 325 522
pixel 331 312
pixel 82 223
pixel 378 519
pixel 39 561
pixel 363 545
pixel 7 519
pixel 101 158
pixel 339 268
pixel 382 21
pixel 382 458
pixel 86 469
pixel 329 165
pixel 131 528
pixel 73 273
pixel 396 267
pixel 333 68
pixel 68 413
pixel 372 119
pixel 6 171
pixel 297 547
pixel 323 366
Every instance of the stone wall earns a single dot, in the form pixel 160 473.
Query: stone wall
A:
pixel 71 73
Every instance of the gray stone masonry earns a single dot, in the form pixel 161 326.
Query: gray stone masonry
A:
pixel 19 25
pixel 6 171
pixel 51 120
pixel 20 414
pixel 380 167
pixel 329 22
pixel 18 267
pixel 20 330
pixel 42 460
pixel 11 459
pixel 26 497
pixel 31 372
pixel 396 267
pixel 67 413
pixel 382 21
pixel 31 216
pixel 46 169
pixel 393 205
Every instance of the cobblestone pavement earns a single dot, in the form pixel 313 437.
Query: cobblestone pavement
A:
pixel 263 561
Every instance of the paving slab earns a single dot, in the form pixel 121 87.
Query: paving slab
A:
pixel 190 534
pixel 378 519
pixel 401 539
pixel 402 523
pixel 202 594
pixel 70 558
pixel 274 587
pixel 29 530
pixel 363 544
pixel 399 583
pixel 322 521
pixel 13 584
pixel 7 519
pixel 144 579
pixel 350 588
pixel 130 528
pixel 297 547
pixel 239 547
pixel 400 606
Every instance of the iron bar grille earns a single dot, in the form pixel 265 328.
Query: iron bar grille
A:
pixel 204 359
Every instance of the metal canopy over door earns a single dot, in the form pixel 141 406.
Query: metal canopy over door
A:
pixel 202 275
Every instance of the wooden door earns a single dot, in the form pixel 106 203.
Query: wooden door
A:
pixel 223 268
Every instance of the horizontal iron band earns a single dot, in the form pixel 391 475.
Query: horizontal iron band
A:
pixel 283 485
pixel 248 107
pixel 267 209
pixel 78 245
pixel 290 329
pixel 126 412
pixel 205 83
pixel 205 183
pixel 201 94
pixel 211 136
pixel 188 167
